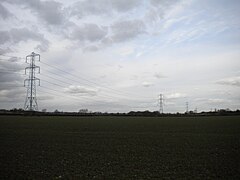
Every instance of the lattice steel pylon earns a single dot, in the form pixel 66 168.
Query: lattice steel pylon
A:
pixel 161 103
pixel 31 98
pixel 187 104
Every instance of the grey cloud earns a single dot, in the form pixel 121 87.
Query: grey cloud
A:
pixel 125 5
pixel 4 13
pixel 88 7
pixel 12 80
pixel 9 77
pixel 163 3
pixel 24 34
pixel 99 7
pixel 10 72
pixel 5 37
pixel 159 75
pixel 91 48
pixel 42 47
pixel 4 50
pixel 45 97
pixel 15 36
pixel 118 31
pixel 126 30
pixel 51 12
pixel 233 81
pixel 13 94
pixel 89 32
pixel 81 90
pixel 11 65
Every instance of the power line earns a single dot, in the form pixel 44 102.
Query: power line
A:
pixel 53 83
pixel 78 82
pixel 54 94
pixel 57 79
pixel 81 83
pixel 62 76
pixel 72 96
pixel 100 95
pixel 79 77
pixel 118 92
pixel 84 79
pixel 79 98
pixel 105 96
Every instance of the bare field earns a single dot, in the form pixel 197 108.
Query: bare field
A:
pixel 120 147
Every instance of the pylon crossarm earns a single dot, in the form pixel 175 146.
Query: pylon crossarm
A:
pixel 37 79
pixel 37 67
pixel 38 55
pixel 25 82
pixel 27 69
pixel 28 58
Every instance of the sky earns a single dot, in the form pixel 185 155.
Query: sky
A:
pixel 120 55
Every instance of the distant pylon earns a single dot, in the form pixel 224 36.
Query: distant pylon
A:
pixel 161 103
pixel 31 98
pixel 187 107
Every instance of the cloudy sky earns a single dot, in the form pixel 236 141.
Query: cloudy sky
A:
pixel 119 55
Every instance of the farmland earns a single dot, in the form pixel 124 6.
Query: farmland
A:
pixel 119 147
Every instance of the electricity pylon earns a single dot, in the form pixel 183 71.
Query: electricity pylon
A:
pixel 161 103
pixel 187 107
pixel 31 98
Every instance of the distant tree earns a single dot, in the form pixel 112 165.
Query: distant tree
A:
pixel 17 110
pixel 83 111
pixel 190 112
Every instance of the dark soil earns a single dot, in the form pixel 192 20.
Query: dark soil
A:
pixel 119 147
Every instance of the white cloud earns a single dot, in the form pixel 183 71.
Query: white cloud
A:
pixel 125 51
pixel 147 84
pixel 175 95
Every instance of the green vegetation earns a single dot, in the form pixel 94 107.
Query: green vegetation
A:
pixel 119 147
